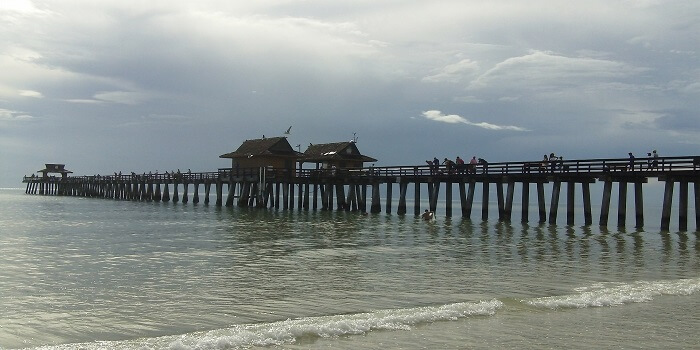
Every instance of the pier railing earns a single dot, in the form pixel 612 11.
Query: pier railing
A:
pixel 649 167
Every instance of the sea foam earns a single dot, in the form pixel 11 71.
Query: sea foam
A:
pixel 294 330
pixel 289 331
pixel 613 294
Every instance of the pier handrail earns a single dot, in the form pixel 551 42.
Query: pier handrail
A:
pixel 648 166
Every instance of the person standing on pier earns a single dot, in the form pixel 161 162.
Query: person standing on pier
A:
pixel 472 165
pixel 460 165
pixel 631 164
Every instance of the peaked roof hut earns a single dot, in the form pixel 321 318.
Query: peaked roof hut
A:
pixel 273 152
pixel 342 155
pixel 55 168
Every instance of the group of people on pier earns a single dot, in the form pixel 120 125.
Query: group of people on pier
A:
pixel 458 166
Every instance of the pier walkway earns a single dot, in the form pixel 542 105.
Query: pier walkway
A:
pixel 347 189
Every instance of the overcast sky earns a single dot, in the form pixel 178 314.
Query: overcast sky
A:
pixel 118 85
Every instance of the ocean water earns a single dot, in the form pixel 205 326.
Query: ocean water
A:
pixel 79 273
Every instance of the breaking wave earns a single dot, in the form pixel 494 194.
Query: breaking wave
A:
pixel 290 331
pixel 613 294
pixel 293 330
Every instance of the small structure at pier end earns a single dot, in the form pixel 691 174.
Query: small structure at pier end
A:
pixel 55 169
pixel 48 185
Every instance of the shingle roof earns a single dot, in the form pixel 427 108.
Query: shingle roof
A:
pixel 267 146
pixel 334 151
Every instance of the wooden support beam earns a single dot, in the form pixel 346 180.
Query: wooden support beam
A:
pixel 291 195
pixel 666 209
pixel 389 195
pixel 683 205
pixel 462 195
pixel 157 196
pixel 448 199
pixel 231 192
pixel 285 196
pixel 376 202
pixel 554 205
pixel 207 191
pixel 467 211
pixel 403 188
pixel 340 197
pixel 329 196
pixel 307 193
pixel 605 204
pixel 525 209
pixel 540 202
pixel 434 194
pixel 570 196
pixel 501 201
pixel 622 204
pixel 696 186
pixel 416 199
pixel 176 196
pixel 278 187
pixel 363 194
pixel 195 196
pixel 485 201
pixel 185 186
pixel 587 214
pixel 508 210
pixel 638 204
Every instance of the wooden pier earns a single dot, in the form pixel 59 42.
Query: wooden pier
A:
pixel 348 189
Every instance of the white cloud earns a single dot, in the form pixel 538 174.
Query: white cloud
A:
pixel 123 97
pixel 454 72
pixel 455 119
pixel 546 70
pixel 30 93
pixel 9 115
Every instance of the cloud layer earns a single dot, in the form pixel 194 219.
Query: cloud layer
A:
pixel 89 83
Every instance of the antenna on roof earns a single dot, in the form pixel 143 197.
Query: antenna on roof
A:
pixel 354 138
pixel 288 131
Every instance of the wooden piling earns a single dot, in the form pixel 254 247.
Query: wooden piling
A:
pixel 403 188
pixel 485 201
pixel 587 215
pixel 622 204
pixel 638 204
pixel 554 205
pixel 376 204
pixel 540 202
pixel 666 210
pixel 683 205
pixel 605 205
pixel 416 199
pixel 524 210
pixel 570 196
pixel 509 200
